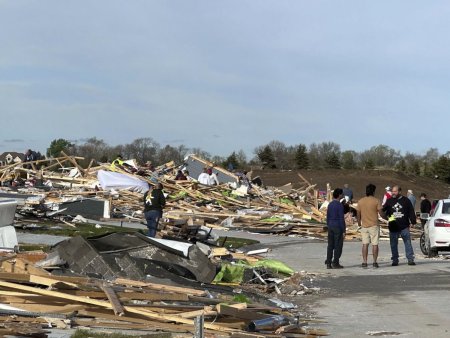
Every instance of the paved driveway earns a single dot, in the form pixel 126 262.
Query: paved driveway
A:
pixel 412 301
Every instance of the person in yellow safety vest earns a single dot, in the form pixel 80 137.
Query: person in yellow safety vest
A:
pixel 118 162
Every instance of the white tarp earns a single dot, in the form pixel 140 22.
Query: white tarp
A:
pixel 111 180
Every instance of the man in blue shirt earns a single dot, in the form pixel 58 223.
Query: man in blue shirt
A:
pixel 336 230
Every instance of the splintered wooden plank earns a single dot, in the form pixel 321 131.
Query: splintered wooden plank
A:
pixel 104 304
pixel 162 287
pixel 151 296
pixel 18 265
pixel 74 162
pixel 246 314
pixel 113 299
pixel 126 319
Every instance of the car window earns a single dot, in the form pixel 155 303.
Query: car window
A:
pixel 446 208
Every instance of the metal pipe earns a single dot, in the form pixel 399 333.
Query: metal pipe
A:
pixel 268 324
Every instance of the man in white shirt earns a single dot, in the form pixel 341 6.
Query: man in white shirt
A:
pixel 213 180
pixel 203 178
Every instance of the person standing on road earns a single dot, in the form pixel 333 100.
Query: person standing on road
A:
pixel 412 198
pixel 336 230
pixel 367 215
pixel 425 208
pixel 154 202
pixel 401 217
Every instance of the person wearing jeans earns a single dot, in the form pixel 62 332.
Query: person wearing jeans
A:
pixel 406 237
pixel 154 202
pixel 401 217
pixel 336 230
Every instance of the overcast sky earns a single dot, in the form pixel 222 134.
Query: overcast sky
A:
pixel 226 75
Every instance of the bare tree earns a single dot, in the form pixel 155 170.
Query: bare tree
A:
pixel 320 154
pixel 143 149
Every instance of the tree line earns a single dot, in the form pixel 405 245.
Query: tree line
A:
pixel 273 155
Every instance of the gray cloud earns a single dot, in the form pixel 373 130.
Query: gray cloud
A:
pixel 297 71
pixel 14 140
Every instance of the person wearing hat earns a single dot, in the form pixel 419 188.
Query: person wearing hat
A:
pixel 387 195
pixel 154 202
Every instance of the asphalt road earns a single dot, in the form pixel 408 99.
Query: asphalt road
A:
pixel 412 301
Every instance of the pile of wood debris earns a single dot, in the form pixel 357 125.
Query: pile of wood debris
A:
pixel 190 205
pixel 33 300
pixel 272 210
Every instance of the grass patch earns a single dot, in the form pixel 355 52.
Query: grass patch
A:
pixel 34 247
pixel 89 334
pixel 235 242
pixel 81 229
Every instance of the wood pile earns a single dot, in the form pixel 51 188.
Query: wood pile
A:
pixel 276 210
pixel 282 210
pixel 32 300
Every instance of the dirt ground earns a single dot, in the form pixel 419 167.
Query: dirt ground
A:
pixel 357 180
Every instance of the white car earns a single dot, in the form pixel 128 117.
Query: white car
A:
pixel 436 234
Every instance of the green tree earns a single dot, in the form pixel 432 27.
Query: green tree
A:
pixel 441 168
pixel 401 165
pixel 231 161
pixel 348 159
pixel 427 169
pixel 332 161
pixel 414 167
pixel 58 145
pixel 301 157
pixel 267 158
pixel 369 164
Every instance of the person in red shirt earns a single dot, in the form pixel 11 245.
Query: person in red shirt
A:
pixel 387 195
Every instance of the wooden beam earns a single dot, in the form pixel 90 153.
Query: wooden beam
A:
pixel 161 287
pixel 113 299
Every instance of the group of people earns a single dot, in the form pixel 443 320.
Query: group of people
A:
pixel 398 210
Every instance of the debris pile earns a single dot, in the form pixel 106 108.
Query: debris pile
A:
pixel 47 188
pixel 34 300
pixel 107 191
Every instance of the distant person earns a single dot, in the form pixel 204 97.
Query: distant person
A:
pixel 348 193
pixel 412 198
pixel 203 178
pixel 188 176
pixel 30 156
pixel 149 166
pixel 425 208
pixel 399 212
pixel 180 176
pixel 367 214
pixel 387 195
pixel 213 180
pixel 154 202
pixel 117 163
pixel 336 230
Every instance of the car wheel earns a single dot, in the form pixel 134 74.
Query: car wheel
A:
pixel 423 244
pixel 432 252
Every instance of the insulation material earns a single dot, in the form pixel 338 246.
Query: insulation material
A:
pixel 111 180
